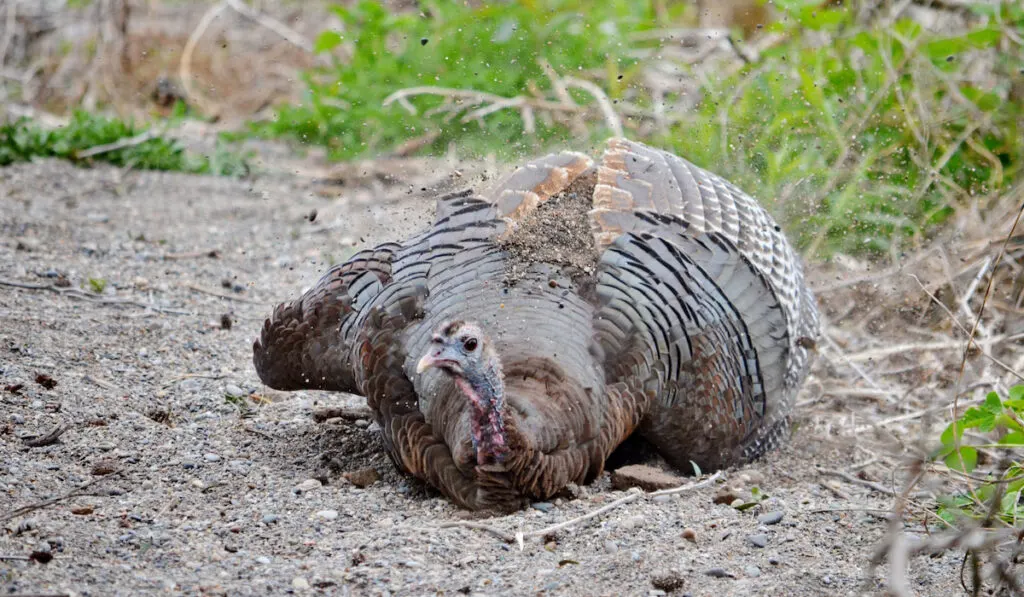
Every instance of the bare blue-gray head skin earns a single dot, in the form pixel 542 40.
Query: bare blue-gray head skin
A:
pixel 461 350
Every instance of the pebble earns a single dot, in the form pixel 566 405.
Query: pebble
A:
pixel 543 506
pixel 633 522
pixel 188 463
pixel 771 517
pixel 752 571
pixel 719 573
pixel 611 546
pixel 826 580
pixel 661 499
pixel 270 519
pixel 774 561
pixel 234 391
pixel 210 457
pixel 690 535
pixel 758 540
pixel 645 477
pixel 17 419
pixel 363 477
pixel 262 560
pixel 327 514
pixel 307 486
pixel 300 584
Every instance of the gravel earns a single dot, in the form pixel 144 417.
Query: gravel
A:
pixel 771 518
pixel 202 501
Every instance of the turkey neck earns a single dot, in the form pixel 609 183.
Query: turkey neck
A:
pixel 485 389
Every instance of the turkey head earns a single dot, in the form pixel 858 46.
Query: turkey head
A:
pixel 461 350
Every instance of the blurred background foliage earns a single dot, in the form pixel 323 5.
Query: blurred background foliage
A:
pixel 862 124
pixel 866 132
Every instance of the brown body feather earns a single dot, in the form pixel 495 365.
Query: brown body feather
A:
pixel 686 330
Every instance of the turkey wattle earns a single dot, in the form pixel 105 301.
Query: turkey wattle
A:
pixel 510 348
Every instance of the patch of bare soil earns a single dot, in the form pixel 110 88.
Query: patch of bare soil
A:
pixel 136 56
pixel 557 232
pixel 178 472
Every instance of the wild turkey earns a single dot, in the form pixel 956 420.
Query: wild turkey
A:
pixel 510 348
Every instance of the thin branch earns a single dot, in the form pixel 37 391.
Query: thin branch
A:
pixel 45 440
pixel 287 33
pixel 610 117
pixel 633 496
pixel 185 66
pixel 9 26
pixel 100 300
pixel 49 502
pixel 858 481
pixel 222 295
pixel 477 526
pixel 116 145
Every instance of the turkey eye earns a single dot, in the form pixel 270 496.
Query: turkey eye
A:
pixel 469 344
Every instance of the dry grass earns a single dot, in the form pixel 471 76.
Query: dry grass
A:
pixel 903 354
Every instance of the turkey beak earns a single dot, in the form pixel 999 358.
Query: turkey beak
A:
pixel 442 358
pixel 425 363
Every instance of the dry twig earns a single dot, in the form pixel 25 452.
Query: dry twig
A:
pixel 116 145
pixel 49 502
pixel 858 481
pixel 78 294
pixel 287 33
pixel 633 496
pixel 46 440
pixel 222 295
pixel 185 66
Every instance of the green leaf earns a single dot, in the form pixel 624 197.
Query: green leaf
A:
pixel 964 461
pixel 1017 393
pixel 327 41
pixel 992 403
pixel 1014 438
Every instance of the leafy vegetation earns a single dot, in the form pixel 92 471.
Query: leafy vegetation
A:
pixel 78 141
pixel 1003 421
pixel 97 285
pixel 494 48
pixel 875 135
pixel 864 134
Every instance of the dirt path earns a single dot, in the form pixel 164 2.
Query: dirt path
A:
pixel 206 499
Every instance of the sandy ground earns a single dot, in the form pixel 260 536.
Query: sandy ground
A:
pixel 212 494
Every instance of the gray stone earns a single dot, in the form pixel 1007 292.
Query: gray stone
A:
pixel 307 486
pixel 771 517
pixel 758 540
